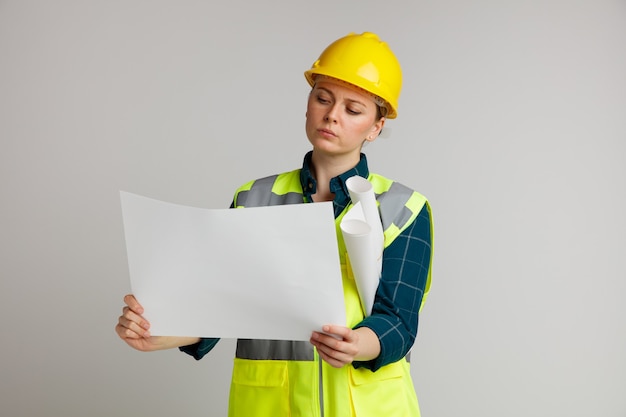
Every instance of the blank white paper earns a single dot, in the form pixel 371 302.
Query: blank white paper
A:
pixel 258 273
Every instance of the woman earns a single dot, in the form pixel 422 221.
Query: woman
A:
pixel 362 369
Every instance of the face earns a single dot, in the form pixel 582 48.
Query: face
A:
pixel 340 119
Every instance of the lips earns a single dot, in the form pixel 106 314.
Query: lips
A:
pixel 326 133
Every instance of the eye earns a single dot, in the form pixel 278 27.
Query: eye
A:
pixel 353 111
pixel 322 99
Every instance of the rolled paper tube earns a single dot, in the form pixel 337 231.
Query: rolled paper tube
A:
pixel 361 246
pixel 361 191
pixel 363 235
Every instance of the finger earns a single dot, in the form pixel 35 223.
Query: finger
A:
pixel 137 318
pixel 330 340
pixel 133 316
pixel 125 333
pixel 332 357
pixel 339 338
pixel 344 333
pixel 132 302
pixel 129 329
pixel 334 348
pixel 331 361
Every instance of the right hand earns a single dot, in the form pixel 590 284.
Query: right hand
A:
pixel 134 329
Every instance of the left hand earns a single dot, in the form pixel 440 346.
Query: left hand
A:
pixel 339 345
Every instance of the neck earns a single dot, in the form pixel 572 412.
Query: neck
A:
pixel 326 167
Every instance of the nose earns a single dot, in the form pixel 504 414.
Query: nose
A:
pixel 331 115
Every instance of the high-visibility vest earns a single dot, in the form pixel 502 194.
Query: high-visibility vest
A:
pixel 287 378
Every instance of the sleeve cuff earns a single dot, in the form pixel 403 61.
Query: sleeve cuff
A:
pixel 198 350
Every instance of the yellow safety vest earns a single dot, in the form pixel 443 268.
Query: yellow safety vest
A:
pixel 287 378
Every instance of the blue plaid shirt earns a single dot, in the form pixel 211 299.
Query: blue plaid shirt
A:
pixel 395 313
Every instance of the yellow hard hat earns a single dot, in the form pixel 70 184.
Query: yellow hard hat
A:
pixel 364 61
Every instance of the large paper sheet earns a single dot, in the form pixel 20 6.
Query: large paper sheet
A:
pixel 258 273
pixel 363 235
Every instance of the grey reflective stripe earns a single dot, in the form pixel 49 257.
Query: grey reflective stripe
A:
pixel 285 350
pixel 392 205
pixel 261 195
pixel 282 199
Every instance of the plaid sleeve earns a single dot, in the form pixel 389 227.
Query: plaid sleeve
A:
pixel 394 315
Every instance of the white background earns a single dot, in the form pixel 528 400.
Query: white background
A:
pixel 512 121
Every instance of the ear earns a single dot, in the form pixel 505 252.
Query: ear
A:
pixel 376 129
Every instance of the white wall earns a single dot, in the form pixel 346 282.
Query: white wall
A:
pixel 512 121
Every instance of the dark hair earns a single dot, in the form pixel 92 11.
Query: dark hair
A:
pixel 381 111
